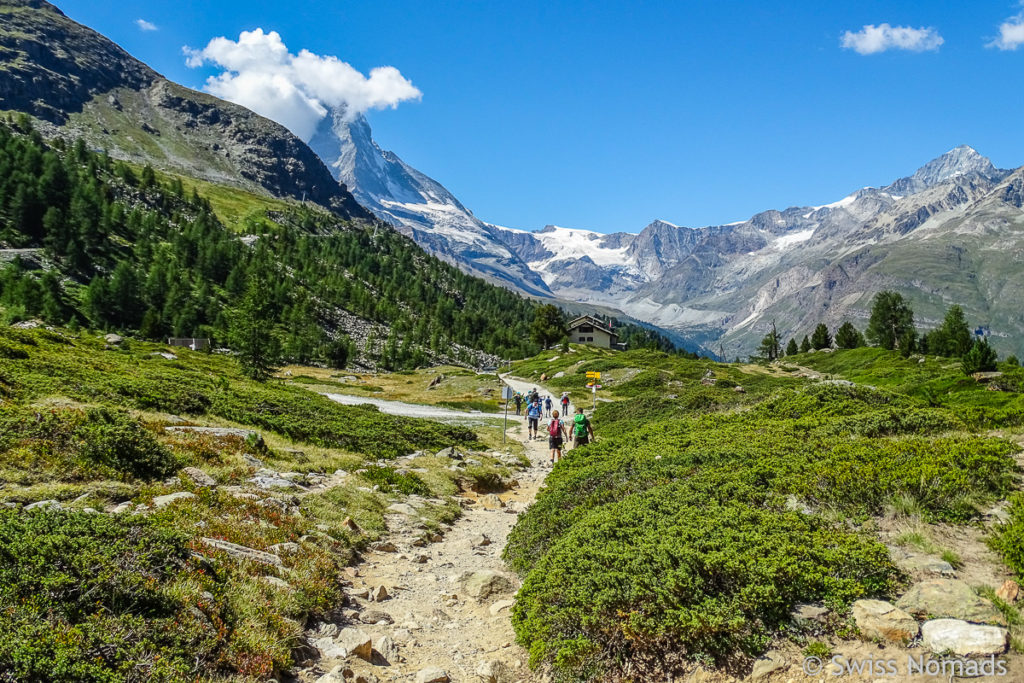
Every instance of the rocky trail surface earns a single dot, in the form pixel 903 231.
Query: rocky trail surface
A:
pixel 431 609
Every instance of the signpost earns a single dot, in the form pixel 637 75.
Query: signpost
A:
pixel 593 385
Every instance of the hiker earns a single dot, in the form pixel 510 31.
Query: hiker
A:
pixel 534 395
pixel 547 407
pixel 519 403
pixel 533 415
pixel 556 437
pixel 565 403
pixel 582 432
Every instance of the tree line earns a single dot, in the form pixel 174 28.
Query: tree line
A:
pixel 113 247
pixel 891 326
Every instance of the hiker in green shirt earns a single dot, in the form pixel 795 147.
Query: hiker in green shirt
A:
pixel 582 432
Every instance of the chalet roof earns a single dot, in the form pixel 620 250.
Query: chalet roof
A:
pixel 591 320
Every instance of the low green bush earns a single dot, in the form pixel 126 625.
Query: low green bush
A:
pixel 115 440
pixel 667 577
pixel 391 481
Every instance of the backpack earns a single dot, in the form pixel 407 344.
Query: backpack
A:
pixel 554 428
pixel 580 422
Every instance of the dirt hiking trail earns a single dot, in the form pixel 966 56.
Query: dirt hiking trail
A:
pixel 443 614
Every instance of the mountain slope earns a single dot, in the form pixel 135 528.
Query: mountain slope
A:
pixel 85 86
pixel 417 205
pixel 721 285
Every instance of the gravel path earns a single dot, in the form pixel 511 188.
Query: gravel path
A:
pixel 448 600
pixel 410 409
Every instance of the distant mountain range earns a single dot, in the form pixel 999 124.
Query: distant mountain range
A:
pixel 952 232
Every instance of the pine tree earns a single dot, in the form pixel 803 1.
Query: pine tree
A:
pixel 252 332
pixel 805 344
pixel 548 325
pixel 849 337
pixel 771 345
pixel 981 358
pixel 821 339
pixel 791 348
pixel 891 319
pixel 954 336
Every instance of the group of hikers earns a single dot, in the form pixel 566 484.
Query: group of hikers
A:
pixel 558 433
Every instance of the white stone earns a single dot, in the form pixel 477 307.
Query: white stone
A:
pixel 432 674
pixel 962 638
pixel 164 501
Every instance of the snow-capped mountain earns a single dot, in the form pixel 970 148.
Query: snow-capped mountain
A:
pixel 416 204
pixel 721 285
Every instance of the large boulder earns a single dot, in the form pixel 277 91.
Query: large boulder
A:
pixel 949 598
pixel 483 584
pixel 356 642
pixel 963 639
pixel 882 620
pixel 432 674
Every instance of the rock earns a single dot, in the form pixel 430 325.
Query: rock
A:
pixel 483 584
pixel 983 377
pixel 284 548
pixel 121 508
pixel 491 502
pixel 217 432
pixel 882 620
pixel 328 630
pixel 559 374
pixel 384 547
pixel 479 540
pixel 926 565
pixel 164 355
pixel 739 390
pixel 43 504
pixel 267 483
pixel 113 338
pixel 767 665
pixel 1009 591
pixel 450 453
pixel 363 593
pixel 960 638
pixel 356 642
pixel 240 552
pixel 379 594
pixel 494 671
pixel 420 558
pixel 366 678
pixel 432 674
pixel 198 477
pixel 387 649
pixel 350 525
pixel 949 598
pixel 402 509
pixel 376 616
pixel 251 461
pixel 809 613
pixel 164 501
pixel 500 605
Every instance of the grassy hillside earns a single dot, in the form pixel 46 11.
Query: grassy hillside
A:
pixel 104 582
pixel 704 514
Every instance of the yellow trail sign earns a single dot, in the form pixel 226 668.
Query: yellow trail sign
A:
pixel 593 375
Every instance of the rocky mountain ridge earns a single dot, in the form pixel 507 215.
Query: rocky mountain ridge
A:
pixel 79 84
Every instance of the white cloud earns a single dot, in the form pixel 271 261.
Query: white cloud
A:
pixel 1011 33
pixel 295 89
pixel 145 25
pixel 872 39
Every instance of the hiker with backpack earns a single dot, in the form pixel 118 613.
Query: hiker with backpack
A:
pixel 533 415
pixel 556 437
pixel 519 403
pixel 547 406
pixel 582 432
pixel 565 403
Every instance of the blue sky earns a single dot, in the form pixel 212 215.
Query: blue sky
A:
pixel 608 115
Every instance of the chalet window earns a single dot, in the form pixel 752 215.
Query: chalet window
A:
pixel 586 328
pixel 590 339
